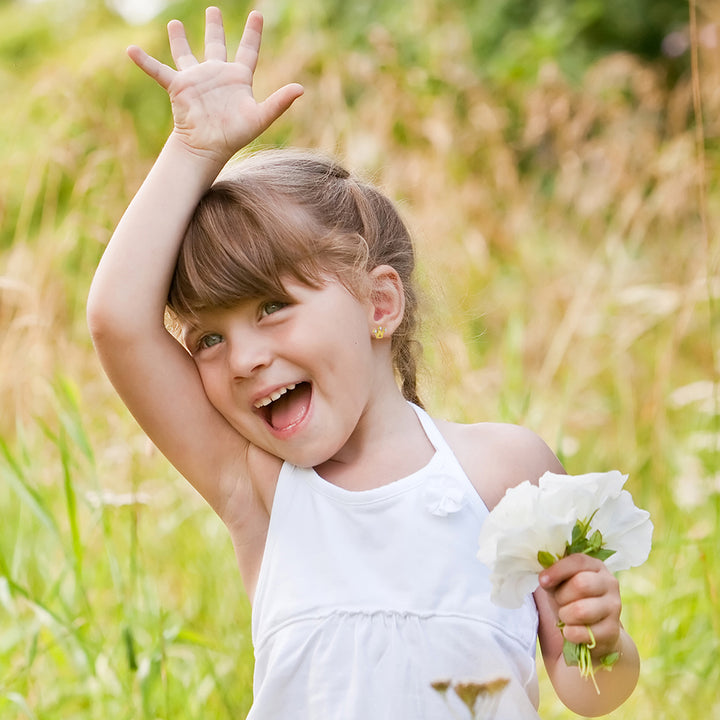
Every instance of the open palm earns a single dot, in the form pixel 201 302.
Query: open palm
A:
pixel 214 110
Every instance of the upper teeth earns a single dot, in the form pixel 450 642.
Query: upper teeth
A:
pixel 273 396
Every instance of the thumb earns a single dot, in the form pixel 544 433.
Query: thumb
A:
pixel 276 104
pixel 161 73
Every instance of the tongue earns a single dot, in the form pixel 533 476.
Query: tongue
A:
pixel 291 407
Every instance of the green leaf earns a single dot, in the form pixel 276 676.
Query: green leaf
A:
pixel 595 542
pixel 579 546
pixel 545 558
pixel 607 661
pixel 602 554
pixel 578 543
pixel 571 653
pixel 578 533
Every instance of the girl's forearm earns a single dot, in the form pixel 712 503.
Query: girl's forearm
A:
pixel 214 114
pixel 129 290
pixel 615 685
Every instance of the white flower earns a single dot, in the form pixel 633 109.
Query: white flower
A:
pixel 532 518
pixel 625 529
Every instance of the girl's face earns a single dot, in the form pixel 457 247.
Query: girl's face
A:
pixel 294 378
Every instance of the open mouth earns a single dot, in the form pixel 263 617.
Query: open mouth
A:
pixel 286 407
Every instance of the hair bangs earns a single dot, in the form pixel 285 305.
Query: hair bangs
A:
pixel 237 248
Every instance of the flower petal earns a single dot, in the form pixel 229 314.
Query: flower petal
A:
pixel 510 589
pixel 625 529
pixel 580 494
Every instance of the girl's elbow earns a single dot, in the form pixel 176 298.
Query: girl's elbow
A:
pixel 107 321
pixel 98 315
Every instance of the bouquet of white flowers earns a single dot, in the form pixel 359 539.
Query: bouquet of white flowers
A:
pixel 535 525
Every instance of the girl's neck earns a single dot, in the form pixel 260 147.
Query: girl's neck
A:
pixel 388 444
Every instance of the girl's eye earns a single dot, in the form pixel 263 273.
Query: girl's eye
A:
pixel 271 307
pixel 207 341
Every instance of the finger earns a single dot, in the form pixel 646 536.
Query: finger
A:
pixel 604 635
pixel 161 73
pixel 277 103
pixel 586 584
pixel 565 568
pixel 249 48
pixel 179 46
pixel 579 634
pixel 586 612
pixel 215 48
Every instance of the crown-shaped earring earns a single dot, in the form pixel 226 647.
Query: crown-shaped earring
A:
pixel 379 332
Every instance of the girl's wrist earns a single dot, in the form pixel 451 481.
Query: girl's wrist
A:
pixel 605 656
pixel 206 162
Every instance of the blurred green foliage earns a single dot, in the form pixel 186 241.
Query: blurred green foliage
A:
pixel 506 43
pixel 510 38
pixel 515 36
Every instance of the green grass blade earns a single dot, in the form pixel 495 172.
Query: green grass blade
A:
pixel 16 476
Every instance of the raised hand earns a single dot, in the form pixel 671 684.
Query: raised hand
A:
pixel 214 110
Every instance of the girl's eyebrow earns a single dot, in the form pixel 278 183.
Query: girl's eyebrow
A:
pixel 189 330
pixel 198 321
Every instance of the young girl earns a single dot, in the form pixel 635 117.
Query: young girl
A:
pixel 353 514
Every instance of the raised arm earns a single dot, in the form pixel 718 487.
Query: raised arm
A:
pixel 214 115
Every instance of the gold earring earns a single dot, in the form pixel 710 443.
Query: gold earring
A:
pixel 379 332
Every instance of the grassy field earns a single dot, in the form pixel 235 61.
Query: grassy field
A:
pixel 569 259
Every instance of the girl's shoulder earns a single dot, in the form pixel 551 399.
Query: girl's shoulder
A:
pixel 498 456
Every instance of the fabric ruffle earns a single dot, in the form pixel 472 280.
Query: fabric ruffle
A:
pixel 444 495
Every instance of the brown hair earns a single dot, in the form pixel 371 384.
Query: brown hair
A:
pixel 286 213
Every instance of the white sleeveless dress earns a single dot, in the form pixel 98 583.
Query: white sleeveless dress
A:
pixel 365 598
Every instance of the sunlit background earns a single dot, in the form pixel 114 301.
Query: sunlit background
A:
pixel 558 162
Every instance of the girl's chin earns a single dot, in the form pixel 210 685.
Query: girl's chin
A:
pixel 306 454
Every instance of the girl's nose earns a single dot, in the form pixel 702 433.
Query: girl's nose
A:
pixel 247 356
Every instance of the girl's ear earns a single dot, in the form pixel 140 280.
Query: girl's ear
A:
pixel 387 299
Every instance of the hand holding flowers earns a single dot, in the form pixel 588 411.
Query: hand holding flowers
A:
pixel 568 534
pixel 585 597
